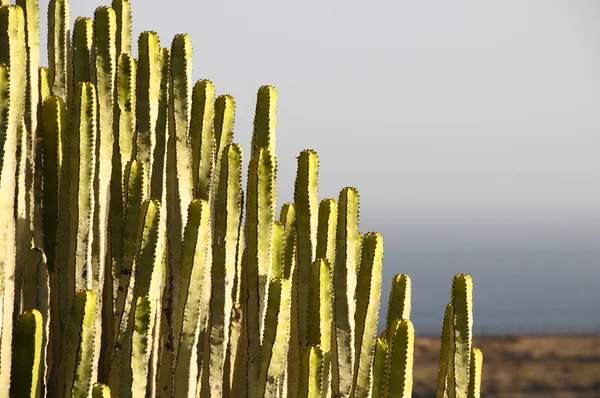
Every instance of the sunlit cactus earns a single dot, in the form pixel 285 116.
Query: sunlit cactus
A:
pixel 133 262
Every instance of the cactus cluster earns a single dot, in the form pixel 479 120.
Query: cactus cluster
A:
pixel 132 262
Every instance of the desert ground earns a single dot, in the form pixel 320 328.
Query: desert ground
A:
pixel 524 366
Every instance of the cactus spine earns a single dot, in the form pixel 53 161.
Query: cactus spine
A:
pixel 127 264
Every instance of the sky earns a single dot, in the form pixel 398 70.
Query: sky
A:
pixel 467 126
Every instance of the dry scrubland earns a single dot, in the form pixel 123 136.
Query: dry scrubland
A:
pixel 519 367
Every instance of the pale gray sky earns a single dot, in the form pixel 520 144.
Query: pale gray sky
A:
pixel 433 109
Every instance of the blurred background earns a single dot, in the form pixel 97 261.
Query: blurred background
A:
pixel 470 128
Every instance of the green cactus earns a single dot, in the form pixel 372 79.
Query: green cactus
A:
pixel 311 374
pixel 344 283
pixel 400 360
pixel 368 294
pixel 122 203
pixel 26 373
pixel 474 390
pixel 79 358
pixel 380 367
pixel 12 56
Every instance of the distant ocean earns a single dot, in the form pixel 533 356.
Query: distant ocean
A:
pixel 522 291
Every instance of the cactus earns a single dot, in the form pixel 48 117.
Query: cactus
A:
pixel 144 267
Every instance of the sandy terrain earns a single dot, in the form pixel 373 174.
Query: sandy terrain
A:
pixel 516 367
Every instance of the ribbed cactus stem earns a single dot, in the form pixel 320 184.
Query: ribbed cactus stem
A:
pixel 276 334
pixel 79 359
pixel 399 303
pixel 202 138
pixel 82 175
pixel 399 375
pixel 194 298
pixel 320 313
pixel 224 122
pixel 227 222
pixel 28 210
pixel 307 218
pixel 26 380
pixel 265 118
pixel 56 153
pixel 462 305
pixel 123 13
pixel 141 346
pixel 446 353
pixel 260 215
pixel 83 52
pixel 311 373
pixel 12 55
pixel 147 95
pixel 326 235
pixel 100 390
pixel 59 18
pixel 345 273
pixel 379 367
pixel 476 365
pixel 368 295
pixel 135 187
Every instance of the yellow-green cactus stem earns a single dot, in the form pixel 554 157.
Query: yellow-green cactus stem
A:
pixel 125 108
pixel 12 55
pixel 227 220
pixel 307 218
pixel 277 248
pixel 446 353
pixel 105 57
pixel 79 358
pixel 45 88
pixel 100 390
pixel 311 373
pixel 345 271
pixel 368 295
pixel 474 390
pixel 135 186
pixel 224 122
pixel 83 52
pixel 462 305
pixel 201 136
pixel 56 159
pixel 320 313
pixel 161 130
pixel 399 302
pixel 326 235
pixel 123 13
pixel 123 153
pixel 147 95
pixel 146 272
pixel 141 345
pixel 399 375
pixel 194 297
pixel 36 289
pixel 26 375
pixel 276 335
pixel 234 351
pixel 59 18
pixel 56 164
pixel 29 211
pixel 180 115
pixel 265 118
pixel 82 175
pixel 290 257
pixel 379 367
pixel 260 215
